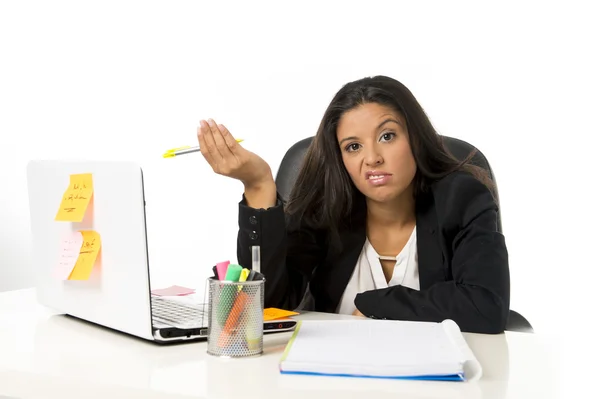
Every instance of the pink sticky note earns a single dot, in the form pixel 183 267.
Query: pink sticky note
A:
pixel 174 290
pixel 70 246
pixel 222 269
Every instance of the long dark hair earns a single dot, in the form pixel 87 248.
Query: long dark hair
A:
pixel 324 196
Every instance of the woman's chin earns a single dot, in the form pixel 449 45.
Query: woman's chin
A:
pixel 386 193
pixel 381 196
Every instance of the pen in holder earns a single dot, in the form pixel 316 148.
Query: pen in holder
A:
pixel 235 317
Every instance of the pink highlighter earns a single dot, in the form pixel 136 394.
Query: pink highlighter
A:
pixel 222 269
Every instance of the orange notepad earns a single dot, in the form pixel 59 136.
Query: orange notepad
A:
pixel 274 314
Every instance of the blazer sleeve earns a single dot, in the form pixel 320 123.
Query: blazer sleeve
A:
pixel 478 297
pixel 288 257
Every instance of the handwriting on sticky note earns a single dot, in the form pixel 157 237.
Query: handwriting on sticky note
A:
pixel 70 245
pixel 174 290
pixel 76 198
pixel 274 314
pixel 87 255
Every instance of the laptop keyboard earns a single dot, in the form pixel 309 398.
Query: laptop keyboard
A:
pixel 177 314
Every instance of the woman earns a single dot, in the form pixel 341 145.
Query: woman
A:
pixel 382 221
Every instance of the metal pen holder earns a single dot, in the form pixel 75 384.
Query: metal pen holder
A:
pixel 235 318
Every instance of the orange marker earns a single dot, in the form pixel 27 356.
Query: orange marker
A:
pixel 234 316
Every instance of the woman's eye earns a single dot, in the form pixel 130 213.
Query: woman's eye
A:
pixel 352 147
pixel 388 136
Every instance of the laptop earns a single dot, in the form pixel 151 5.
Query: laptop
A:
pixel 117 293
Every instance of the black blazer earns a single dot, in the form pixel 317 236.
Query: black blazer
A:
pixel 462 261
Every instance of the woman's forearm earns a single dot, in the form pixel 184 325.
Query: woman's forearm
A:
pixel 262 195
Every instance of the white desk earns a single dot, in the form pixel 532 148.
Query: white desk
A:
pixel 45 355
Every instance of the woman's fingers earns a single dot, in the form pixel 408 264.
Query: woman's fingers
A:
pixel 220 144
pixel 211 146
pixel 230 141
pixel 201 133
pixel 219 148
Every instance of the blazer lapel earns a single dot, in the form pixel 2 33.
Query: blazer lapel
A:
pixel 429 255
pixel 333 282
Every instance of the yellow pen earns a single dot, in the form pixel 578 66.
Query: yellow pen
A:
pixel 185 150
pixel 243 277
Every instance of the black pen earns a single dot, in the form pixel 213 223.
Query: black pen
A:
pixel 254 276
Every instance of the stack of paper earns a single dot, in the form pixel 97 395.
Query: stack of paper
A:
pixel 380 348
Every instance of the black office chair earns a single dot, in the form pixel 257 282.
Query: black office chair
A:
pixel 292 161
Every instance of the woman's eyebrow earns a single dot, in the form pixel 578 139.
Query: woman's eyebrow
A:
pixel 348 138
pixel 388 120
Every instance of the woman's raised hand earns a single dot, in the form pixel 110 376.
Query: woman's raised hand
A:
pixel 228 158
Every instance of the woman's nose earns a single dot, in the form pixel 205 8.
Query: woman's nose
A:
pixel 373 158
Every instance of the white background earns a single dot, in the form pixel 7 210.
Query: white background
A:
pixel 128 80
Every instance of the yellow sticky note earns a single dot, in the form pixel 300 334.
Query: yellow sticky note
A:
pixel 87 255
pixel 274 314
pixel 76 198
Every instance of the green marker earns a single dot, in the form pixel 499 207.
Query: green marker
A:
pixel 233 272
pixel 228 293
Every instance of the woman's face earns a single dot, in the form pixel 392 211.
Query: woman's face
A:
pixel 376 152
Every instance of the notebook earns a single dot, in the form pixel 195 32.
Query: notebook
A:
pixel 380 349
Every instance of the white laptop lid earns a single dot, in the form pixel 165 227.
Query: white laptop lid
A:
pixel 117 293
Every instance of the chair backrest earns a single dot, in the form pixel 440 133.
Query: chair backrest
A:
pixel 293 158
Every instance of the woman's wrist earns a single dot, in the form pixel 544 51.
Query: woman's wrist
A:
pixel 261 194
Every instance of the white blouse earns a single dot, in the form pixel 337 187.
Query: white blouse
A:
pixel 368 273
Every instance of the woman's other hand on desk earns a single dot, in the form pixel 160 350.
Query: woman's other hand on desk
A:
pixel 228 158
pixel 357 313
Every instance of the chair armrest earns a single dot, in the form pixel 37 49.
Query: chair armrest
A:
pixel 518 323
